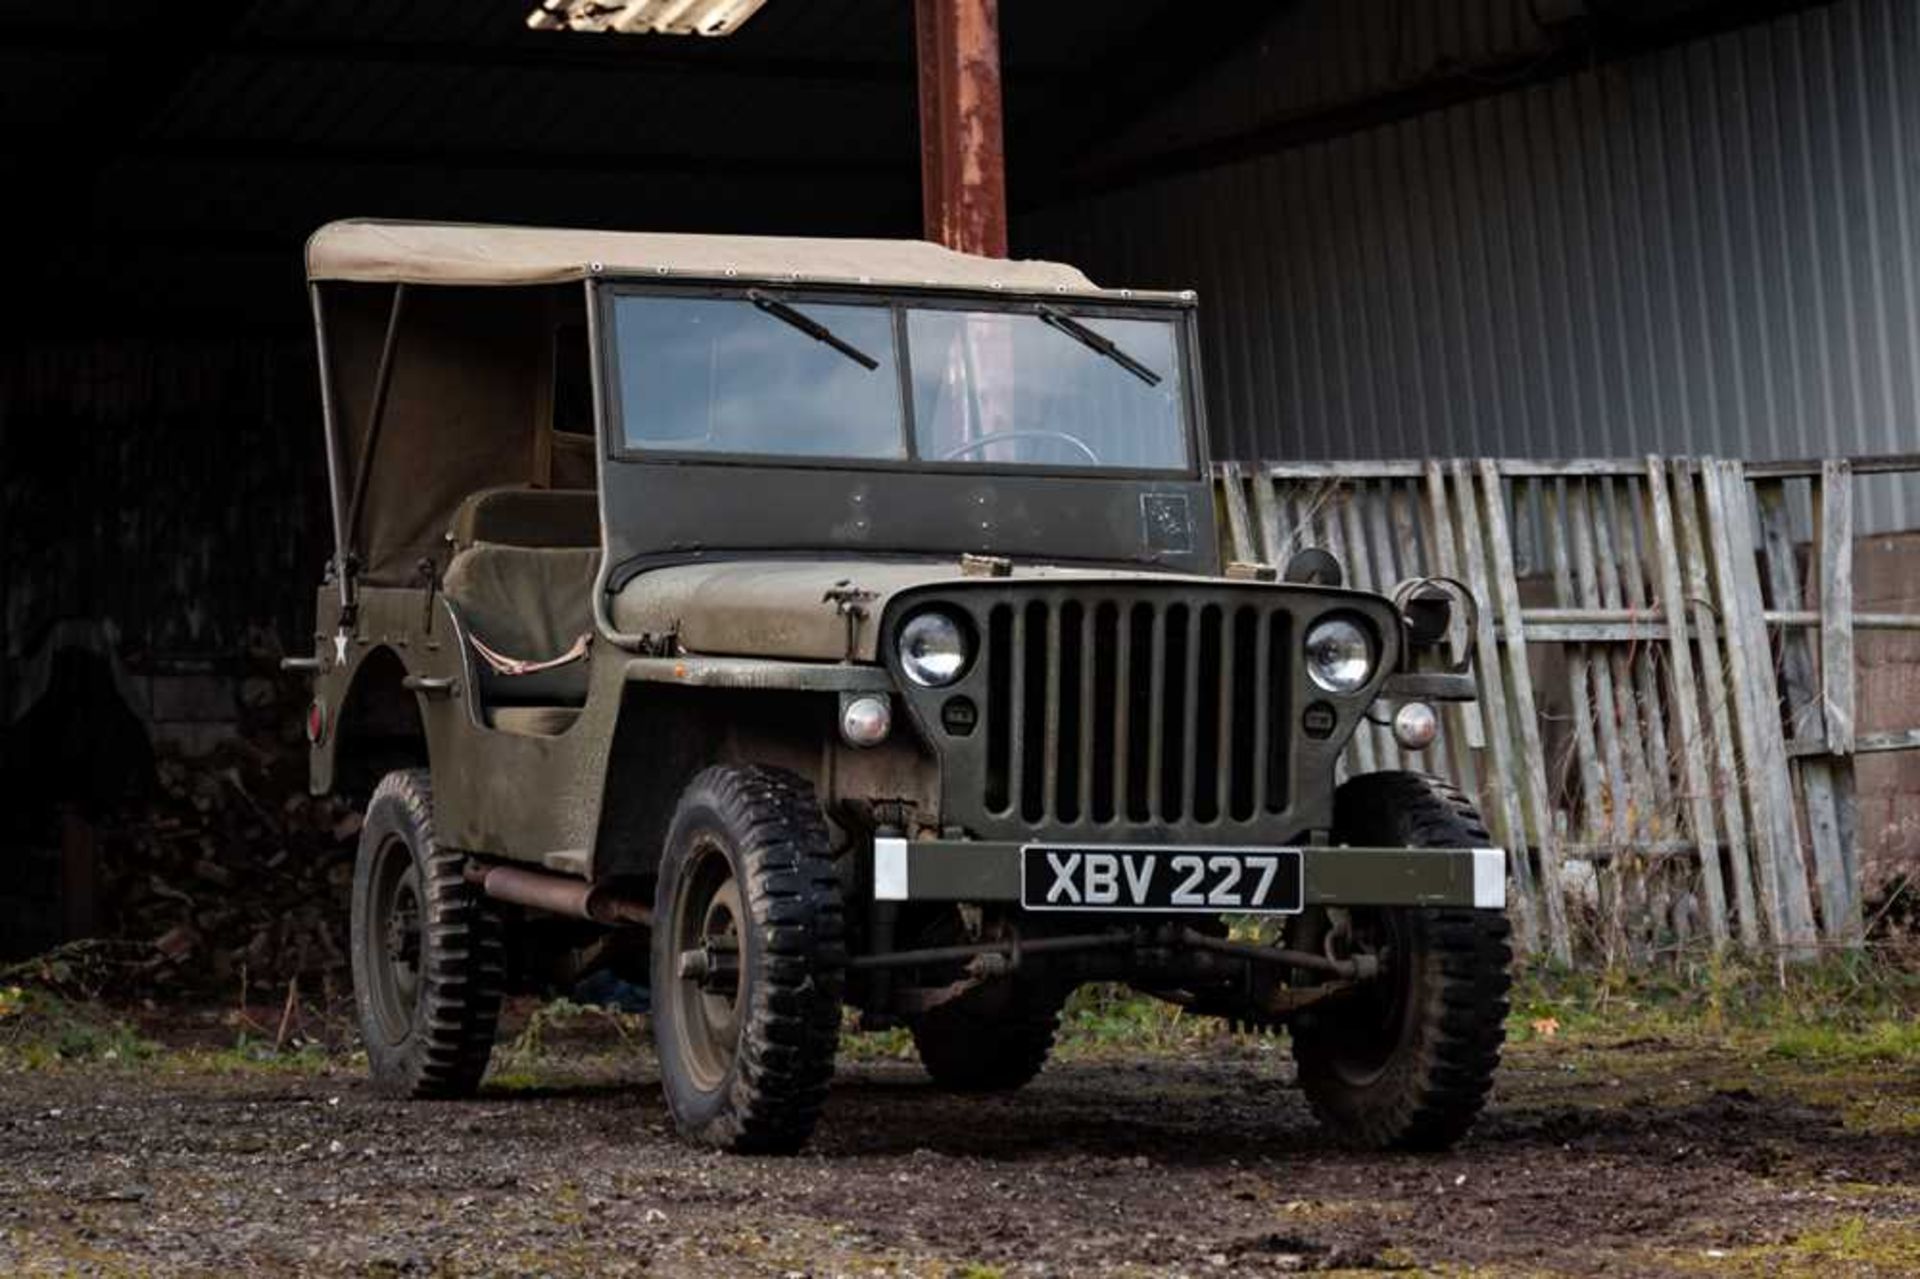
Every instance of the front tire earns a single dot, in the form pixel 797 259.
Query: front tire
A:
pixel 426 949
pixel 1406 1061
pixel 749 960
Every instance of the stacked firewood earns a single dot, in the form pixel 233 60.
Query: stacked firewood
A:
pixel 230 870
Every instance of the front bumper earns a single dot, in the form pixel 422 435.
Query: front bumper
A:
pixel 989 871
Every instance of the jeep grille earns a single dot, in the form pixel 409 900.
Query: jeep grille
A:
pixel 1144 712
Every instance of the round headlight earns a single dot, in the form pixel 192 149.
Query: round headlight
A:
pixel 933 649
pixel 1339 655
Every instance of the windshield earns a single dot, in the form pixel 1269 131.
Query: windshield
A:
pixel 765 376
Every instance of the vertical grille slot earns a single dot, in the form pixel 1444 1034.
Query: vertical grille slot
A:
pixel 1033 698
pixel 1107 696
pixel 1276 725
pixel 1243 698
pixel 1104 712
pixel 1000 725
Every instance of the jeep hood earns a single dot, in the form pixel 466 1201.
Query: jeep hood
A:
pixel 783 609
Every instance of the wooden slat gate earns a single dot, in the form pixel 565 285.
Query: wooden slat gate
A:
pixel 1658 680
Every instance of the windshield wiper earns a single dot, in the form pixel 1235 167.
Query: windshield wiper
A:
pixel 812 328
pixel 1093 340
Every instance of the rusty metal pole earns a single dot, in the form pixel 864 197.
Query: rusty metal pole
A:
pixel 963 170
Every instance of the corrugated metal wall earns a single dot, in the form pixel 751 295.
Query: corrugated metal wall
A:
pixel 1705 249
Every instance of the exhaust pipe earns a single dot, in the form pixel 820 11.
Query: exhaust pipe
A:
pixel 558 895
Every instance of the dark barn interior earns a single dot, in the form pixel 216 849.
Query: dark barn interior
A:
pixel 163 522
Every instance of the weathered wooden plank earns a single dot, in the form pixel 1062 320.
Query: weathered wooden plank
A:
pixel 1836 604
pixel 1296 530
pixel 1233 490
pixel 1785 618
pixel 1463 737
pixel 1630 633
pixel 1504 785
pixel 1579 683
pixel 1808 468
pixel 1596 821
pixel 1811 715
pixel 1414 468
pixel 1619 717
pixel 1408 468
pixel 1623 515
pixel 1266 505
pixel 1873 743
pixel 1330 503
pixel 1403 507
pixel 1387 573
pixel 1782 875
pixel 1533 760
pixel 1376 745
pixel 1680 850
pixel 1446 562
pixel 1716 687
pixel 1584 467
pixel 1684 703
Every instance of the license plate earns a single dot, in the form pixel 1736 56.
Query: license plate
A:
pixel 1242 881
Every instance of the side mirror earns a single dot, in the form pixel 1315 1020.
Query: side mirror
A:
pixel 1314 567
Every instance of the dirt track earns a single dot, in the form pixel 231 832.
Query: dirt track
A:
pixel 1629 1159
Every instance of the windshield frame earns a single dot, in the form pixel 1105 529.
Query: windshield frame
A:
pixel 1179 312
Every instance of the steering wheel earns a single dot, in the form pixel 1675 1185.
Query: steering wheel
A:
pixel 995 437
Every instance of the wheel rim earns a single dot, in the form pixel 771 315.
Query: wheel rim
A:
pixel 395 941
pixel 1377 1025
pixel 708 921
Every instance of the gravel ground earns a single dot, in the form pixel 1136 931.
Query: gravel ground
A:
pixel 1624 1158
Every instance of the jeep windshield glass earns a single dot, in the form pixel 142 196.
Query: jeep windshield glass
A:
pixel 1031 385
pixel 722 375
pixel 1010 387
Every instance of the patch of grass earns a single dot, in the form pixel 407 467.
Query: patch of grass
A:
pixel 41 1031
pixel 1888 1041
pixel 1854 1245
pixel 251 1055
pixel 1104 1017
pixel 1846 1008
pixel 894 1044
pixel 558 1021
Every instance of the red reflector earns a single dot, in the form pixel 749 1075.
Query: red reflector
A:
pixel 316 721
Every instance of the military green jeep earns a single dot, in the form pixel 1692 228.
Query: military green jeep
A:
pixel 796 624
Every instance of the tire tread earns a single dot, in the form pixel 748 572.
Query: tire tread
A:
pixel 1429 1101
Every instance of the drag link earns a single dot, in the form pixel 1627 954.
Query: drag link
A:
pixel 1359 967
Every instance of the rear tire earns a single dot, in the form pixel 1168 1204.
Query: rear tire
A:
pixel 746 885
pixel 1406 1061
pixel 426 949
pixel 989 1041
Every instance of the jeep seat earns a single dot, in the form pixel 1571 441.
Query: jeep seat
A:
pixel 514 515
pixel 531 603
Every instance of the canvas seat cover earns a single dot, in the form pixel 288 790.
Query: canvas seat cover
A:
pixel 528 602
